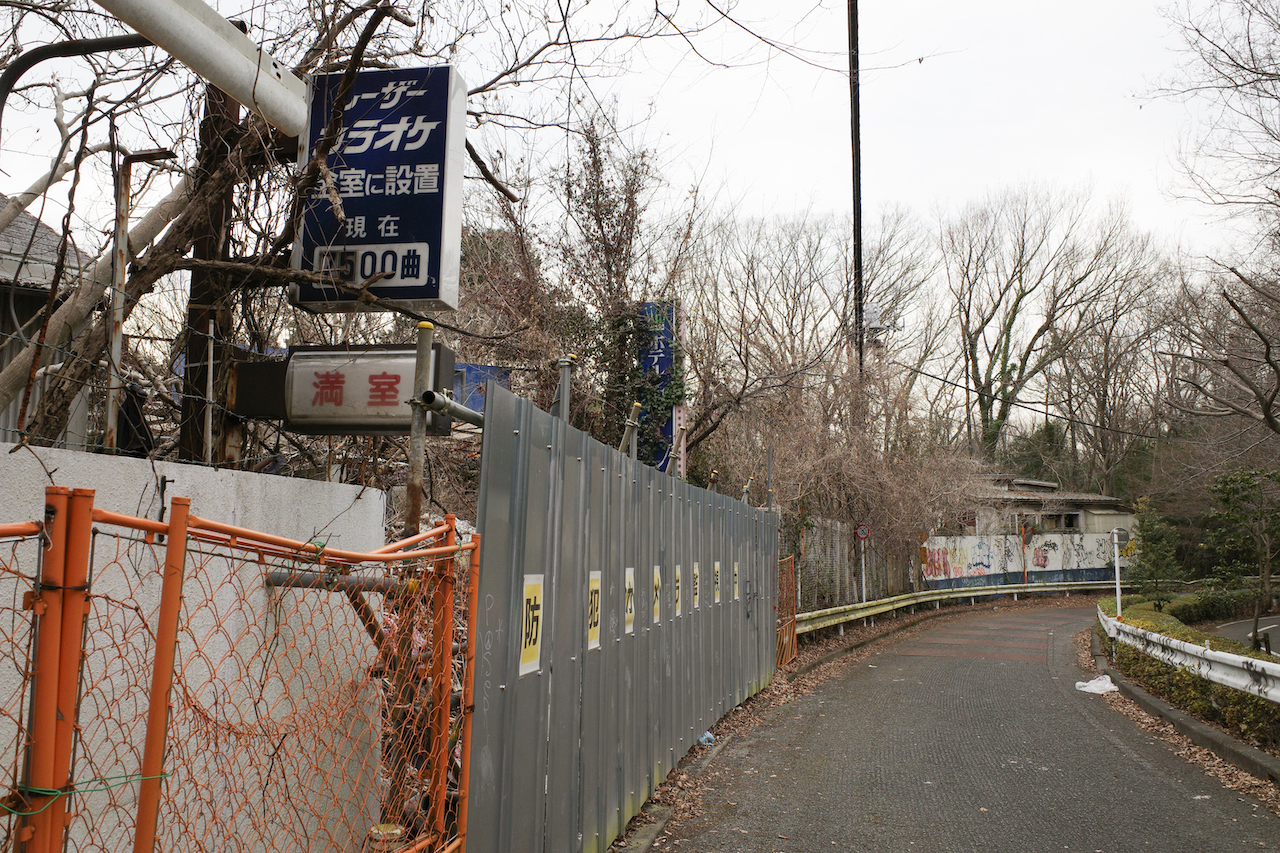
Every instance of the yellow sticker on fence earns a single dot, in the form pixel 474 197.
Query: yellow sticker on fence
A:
pixel 531 625
pixel 715 579
pixel 679 608
pixel 593 610
pixel 696 591
pixel 735 580
pixel 657 595
pixel 629 605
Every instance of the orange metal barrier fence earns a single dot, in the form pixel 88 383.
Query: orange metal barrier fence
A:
pixel 191 685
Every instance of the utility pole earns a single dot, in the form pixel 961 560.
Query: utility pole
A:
pixel 204 326
pixel 855 101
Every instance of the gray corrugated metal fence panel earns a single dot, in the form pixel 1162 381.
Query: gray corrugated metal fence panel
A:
pixel 564 755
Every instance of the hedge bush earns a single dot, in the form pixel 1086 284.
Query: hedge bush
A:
pixel 1246 716
pixel 1213 605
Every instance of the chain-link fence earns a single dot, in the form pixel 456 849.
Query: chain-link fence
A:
pixel 211 688
pixel 786 610
pixel 833 568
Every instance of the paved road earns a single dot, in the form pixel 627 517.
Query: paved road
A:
pixel 1242 629
pixel 970 736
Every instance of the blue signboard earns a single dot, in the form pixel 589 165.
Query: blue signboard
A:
pixel 662 319
pixel 390 205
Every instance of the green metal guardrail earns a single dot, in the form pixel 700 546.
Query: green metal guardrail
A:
pixel 806 622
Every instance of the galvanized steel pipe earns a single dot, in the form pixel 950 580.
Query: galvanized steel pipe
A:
pixel 210 45
pixel 438 402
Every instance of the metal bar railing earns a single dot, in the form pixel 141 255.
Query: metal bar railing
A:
pixel 1258 677
pixel 832 616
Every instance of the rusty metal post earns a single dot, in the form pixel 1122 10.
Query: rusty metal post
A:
pixel 36 832
pixel 418 430
pixel 175 553
pixel 119 265
pixel 75 594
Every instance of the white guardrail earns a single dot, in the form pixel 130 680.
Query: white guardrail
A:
pixel 1259 677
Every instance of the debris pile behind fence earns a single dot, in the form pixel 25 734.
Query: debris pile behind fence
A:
pixel 238 691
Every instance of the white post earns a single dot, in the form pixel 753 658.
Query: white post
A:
pixel 862 555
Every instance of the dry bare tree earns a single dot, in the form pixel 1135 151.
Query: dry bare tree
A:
pixel 1025 270
pixel 552 53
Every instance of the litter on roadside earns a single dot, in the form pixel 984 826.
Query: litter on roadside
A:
pixel 1101 684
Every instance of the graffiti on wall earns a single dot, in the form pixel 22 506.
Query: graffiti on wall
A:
pixel 956 557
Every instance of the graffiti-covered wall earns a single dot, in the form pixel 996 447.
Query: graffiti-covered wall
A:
pixel 958 561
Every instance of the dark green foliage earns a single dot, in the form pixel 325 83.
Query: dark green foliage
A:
pixel 1248 521
pixel 1212 605
pixel 1042 454
pixel 1155 567
pixel 1252 719
pixel 610 262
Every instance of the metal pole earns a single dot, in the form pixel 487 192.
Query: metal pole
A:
pixel 208 395
pixel 673 462
pixel 437 402
pixel 631 425
pixel 567 364
pixel 119 265
pixel 214 48
pixel 768 480
pixel 862 554
pixel 37 823
pixel 418 429
pixel 855 103
pixel 119 250
pixel 715 481
pixel 162 678
pixel 1115 542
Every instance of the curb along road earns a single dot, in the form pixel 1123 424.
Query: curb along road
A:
pixel 1249 759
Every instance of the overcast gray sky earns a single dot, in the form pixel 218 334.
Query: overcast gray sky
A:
pixel 959 99
pixel 1007 93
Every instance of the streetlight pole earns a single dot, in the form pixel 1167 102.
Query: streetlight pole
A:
pixel 1119 536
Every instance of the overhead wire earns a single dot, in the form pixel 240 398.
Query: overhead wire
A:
pixel 1038 411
